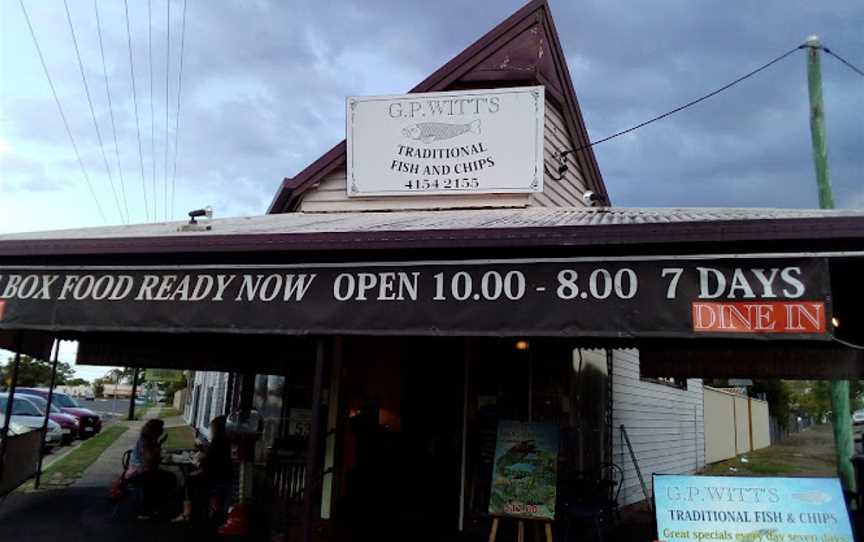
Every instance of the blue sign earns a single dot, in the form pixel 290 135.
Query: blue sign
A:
pixel 745 509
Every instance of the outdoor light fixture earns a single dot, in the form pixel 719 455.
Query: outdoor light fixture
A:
pixel 835 322
pixel 521 345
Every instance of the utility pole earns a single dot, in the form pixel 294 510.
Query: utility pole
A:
pixel 840 415
pixel 134 394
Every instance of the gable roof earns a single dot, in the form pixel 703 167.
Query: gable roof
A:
pixel 522 49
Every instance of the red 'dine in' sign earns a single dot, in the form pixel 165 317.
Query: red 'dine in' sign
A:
pixel 759 317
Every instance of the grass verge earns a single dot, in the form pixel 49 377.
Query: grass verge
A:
pixel 168 412
pixel 73 465
pixel 810 453
pixel 182 437
pixel 141 410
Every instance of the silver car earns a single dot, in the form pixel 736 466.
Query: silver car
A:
pixel 25 413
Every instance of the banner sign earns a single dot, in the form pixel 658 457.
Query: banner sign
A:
pixel 525 470
pixel 702 508
pixel 476 141
pixel 616 298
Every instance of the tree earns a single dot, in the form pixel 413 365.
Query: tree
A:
pixel 813 397
pixel 778 395
pixel 123 376
pixel 174 386
pixel 99 387
pixel 35 373
pixel 77 382
pixel 113 376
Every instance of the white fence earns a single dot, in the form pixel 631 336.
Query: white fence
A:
pixel 734 425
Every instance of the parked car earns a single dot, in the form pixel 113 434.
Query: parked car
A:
pixel 89 423
pixel 68 423
pixel 26 413
pixel 858 417
pixel 89 396
pixel 15 428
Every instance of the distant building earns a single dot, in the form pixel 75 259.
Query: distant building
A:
pixel 76 391
pixel 117 391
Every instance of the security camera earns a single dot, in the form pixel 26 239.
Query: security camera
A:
pixel 590 198
pixel 198 213
pixel 194 225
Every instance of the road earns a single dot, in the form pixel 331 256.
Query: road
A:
pixel 107 406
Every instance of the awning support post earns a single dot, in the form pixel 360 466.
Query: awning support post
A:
pixel 54 360
pixel 134 394
pixel 463 471
pixel 312 468
pixel 330 437
pixel 229 394
pixel 9 400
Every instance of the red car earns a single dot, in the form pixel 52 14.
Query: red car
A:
pixel 89 422
pixel 68 423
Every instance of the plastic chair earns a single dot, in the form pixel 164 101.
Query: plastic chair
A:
pixel 125 486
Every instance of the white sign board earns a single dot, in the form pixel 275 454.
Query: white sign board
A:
pixel 475 141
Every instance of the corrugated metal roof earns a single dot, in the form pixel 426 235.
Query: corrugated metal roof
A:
pixel 472 219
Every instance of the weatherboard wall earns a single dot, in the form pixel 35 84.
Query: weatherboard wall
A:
pixel 206 384
pixel 331 194
pixel 665 425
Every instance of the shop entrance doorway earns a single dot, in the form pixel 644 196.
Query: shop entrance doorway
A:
pixel 399 474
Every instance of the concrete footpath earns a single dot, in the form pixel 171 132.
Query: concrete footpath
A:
pixel 83 512
pixel 105 470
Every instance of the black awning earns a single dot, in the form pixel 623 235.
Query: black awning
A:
pixel 743 298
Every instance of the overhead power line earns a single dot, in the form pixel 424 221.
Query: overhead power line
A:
pixel 177 121
pixel 93 112
pixel 844 61
pixel 691 103
pixel 152 117
pixel 62 114
pixel 111 111
pixel 167 79
pixel 135 103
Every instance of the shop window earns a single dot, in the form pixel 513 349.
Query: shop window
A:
pixel 195 403
pixel 679 383
pixel 208 410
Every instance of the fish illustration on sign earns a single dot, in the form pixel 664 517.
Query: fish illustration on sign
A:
pixel 428 132
pixel 812 497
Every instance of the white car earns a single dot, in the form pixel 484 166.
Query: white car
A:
pixel 25 413
pixel 858 417
pixel 89 396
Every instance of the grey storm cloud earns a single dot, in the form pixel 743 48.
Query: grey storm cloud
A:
pixel 265 83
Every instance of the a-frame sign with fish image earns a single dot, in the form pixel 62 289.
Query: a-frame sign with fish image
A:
pixel 524 475
pixel 482 141
pixel 525 470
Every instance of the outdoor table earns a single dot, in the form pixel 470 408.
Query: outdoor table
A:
pixel 184 460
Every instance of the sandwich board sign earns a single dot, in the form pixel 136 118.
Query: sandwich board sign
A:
pixel 525 471
pixel 475 141
pixel 750 509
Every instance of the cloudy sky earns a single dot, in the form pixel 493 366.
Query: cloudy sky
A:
pixel 264 84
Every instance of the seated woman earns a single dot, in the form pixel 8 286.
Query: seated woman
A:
pixel 156 484
pixel 211 483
